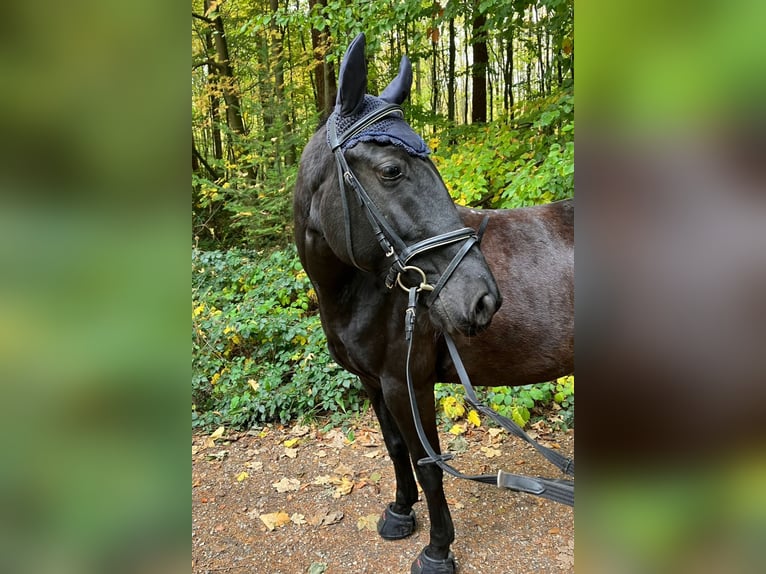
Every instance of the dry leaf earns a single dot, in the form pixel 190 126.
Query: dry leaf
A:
pixel 290 443
pixel 242 476
pixel 317 568
pixel 322 480
pixel 345 487
pixel 554 530
pixel 298 519
pixel 342 469
pixel 490 452
pixel 325 518
pixel 254 465
pixel 217 433
pixel 274 520
pixel 372 453
pixel 291 452
pixel 369 522
pixel 495 432
pixel 300 430
pixel 375 477
pixel 287 484
pixel 321 454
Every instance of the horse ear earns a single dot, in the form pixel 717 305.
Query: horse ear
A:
pixel 399 88
pixel 352 80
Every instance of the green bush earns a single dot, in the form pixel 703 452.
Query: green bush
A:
pixel 258 350
pixel 520 404
pixel 511 163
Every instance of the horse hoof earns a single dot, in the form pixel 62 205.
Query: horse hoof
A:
pixel 393 526
pixel 425 565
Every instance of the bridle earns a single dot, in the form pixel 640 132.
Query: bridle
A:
pixel 558 490
pixel 390 241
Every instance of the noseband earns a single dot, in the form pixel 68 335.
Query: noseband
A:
pixel 390 242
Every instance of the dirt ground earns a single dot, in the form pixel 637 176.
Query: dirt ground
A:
pixel 290 500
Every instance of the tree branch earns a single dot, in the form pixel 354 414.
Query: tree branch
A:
pixel 201 17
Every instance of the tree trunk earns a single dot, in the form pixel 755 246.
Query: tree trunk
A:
pixel 509 72
pixel 540 58
pixel 324 74
pixel 279 86
pixel 228 84
pixel 451 74
pixel 212 82
pixel 480 62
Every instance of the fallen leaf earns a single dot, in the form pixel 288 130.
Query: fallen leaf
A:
pixel 254 465
pixel 457 429
pixel 217 433
pixel 495 432
pixel 195 449
pixel 458 445
pixel 322 480
pixel 375 477
pixel 342 469
pixel 287 484
pixel 369 522
pixel 220 455
pixel 298 518
pixel 372 453
pixel 291 452
pixel 290 443
pixel 300 430
pixel 325 518
pixel 274 519
pixel 554 530
pixel 345 487
pixel 242 476
pixel 473 418
pixel 490 452
pixel 321 454
pixel 317 568
pixel 337 439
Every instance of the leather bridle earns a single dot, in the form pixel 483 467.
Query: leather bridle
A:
pixel 390 241
pixel 558 490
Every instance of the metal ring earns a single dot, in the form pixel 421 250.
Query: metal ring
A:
pixel 423 285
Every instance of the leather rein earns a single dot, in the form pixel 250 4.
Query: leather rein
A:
pixel 558 490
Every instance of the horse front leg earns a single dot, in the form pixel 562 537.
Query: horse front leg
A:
pixel 398 519
pixel 435 558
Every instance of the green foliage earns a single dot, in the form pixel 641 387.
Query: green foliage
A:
pixel 515 163
pixel 519 404
pixel 258 349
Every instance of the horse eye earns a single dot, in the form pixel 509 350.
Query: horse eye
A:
pixel 390 172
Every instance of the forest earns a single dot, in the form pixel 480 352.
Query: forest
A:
pixel 492 95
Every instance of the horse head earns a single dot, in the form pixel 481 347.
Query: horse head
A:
pixel 382 207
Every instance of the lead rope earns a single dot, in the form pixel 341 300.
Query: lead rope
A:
pixel 557 490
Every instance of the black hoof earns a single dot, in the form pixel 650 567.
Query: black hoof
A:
pixel 393 526
pixel 425 565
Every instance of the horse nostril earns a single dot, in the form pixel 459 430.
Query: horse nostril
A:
pixel 483 309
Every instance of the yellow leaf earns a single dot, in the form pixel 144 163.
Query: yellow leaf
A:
pixel 344 488
pixel 217 433
pixel 452 408
pixel 274 519
pixel 457 429
pixel 253 384
pixel 242 476
pixel 473 418
pixel 198 310
pixel 290 443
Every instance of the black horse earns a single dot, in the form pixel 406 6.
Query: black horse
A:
pixel 373 214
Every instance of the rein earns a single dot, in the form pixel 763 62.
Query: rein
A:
pixel 558 490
